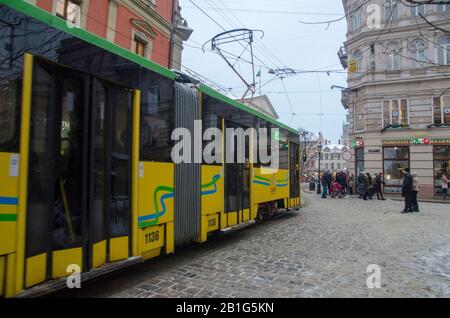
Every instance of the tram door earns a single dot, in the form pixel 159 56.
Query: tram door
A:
pixel 237 180
pixel 78 212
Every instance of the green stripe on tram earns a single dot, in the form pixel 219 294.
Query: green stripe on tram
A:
pixel 261 178
pixel 8 217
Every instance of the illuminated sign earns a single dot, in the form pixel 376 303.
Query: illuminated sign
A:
pixel 421 141
pixel 358 143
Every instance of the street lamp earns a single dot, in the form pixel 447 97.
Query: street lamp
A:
pixel 319 151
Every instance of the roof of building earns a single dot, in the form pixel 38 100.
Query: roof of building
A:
pixel 334 147
pixel 263 104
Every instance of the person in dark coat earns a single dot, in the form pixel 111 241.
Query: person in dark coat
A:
pixel 370 191
pixel 326 180
pixel 379 183
pixel 407 189
pixel 361 190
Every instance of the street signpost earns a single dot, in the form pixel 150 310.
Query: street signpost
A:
pixel 347 155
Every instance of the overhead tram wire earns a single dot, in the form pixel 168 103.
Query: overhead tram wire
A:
pixel 269 53
pixel 219 25
pixel 339 19
pixel 281 78
pixel 289 100
pixel 233 25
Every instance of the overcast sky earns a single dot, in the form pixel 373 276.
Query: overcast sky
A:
pixel 286 43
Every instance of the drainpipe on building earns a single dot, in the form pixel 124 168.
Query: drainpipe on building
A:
pixel 174 8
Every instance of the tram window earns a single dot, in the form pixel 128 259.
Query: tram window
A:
pixel 9 116
pixel 120 165
pixel 284 153
pixel 157 119
pixel 211 120
pixel 266 147
pixel 294 170
pixel 68 208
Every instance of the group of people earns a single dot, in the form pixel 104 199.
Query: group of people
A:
pixel 410 190
pixel 335 186
pixel 369 185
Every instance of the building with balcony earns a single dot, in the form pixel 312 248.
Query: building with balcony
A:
pixel 398 96
pixel 153 29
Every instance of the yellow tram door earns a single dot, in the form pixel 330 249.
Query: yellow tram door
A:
pixel 237 181
pixel 78 209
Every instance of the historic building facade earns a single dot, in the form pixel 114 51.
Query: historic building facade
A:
pixel 153 29
pixel 332 158
pixel 398 95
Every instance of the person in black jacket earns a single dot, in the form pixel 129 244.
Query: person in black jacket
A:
pixel 379 183
pixel 407 189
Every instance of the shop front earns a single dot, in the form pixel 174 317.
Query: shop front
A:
pixel 395 160
pixel 441 155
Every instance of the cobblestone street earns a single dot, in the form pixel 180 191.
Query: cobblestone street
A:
pixel 322 251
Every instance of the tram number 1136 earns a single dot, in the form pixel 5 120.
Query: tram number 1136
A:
pixel 152 237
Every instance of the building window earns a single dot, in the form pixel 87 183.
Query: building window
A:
pixel 392 57
pixel 356 20
pixel 441 166
pixel 444 50
pixel 395 113
pixel 69 10
pixel 441 110
pixel 390 10
pixel 358 58
pixel 395 160
pixel 393 61
pixel 326 166
pixel 140 47
pixel 360 120
pixel 417 10
pixel 418 55
pixel 339 166
pixel 443 7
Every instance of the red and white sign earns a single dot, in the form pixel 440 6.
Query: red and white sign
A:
pixel 347 155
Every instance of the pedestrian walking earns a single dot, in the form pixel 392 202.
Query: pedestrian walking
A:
pixel 326 179
pixel 407 188
pixel 415 192
pixel 360 185
pixel 351 183
pixel 444 186
pixel 370 189
pixel 379 183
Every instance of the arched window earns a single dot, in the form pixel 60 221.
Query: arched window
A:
pixel 392 57
pixel 444 50
pixel 418 54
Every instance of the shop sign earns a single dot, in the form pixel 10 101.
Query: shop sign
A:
pixel 358 143
pixel 440 141
pixel 353 66
pixel 421 141
pixel 406 142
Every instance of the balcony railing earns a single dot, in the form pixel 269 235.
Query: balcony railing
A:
pixel 343 57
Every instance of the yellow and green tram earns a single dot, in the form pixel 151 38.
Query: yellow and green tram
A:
pixel 86 175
